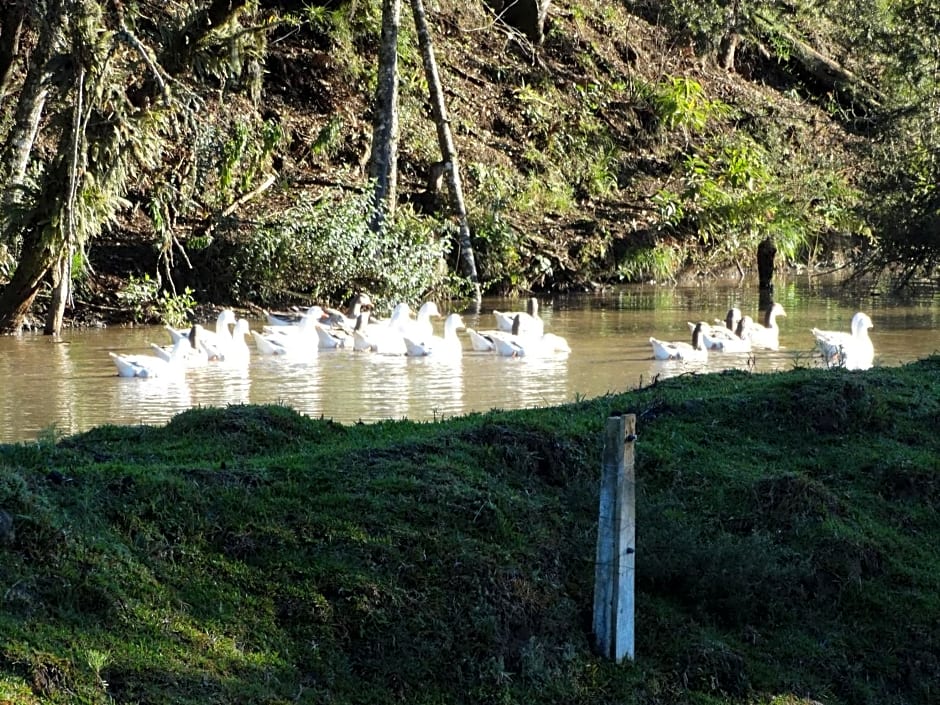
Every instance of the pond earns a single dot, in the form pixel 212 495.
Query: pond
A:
pixel 54 387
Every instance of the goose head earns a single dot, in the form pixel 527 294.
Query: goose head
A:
pixel 428 309
pixel 861 324
pixel 453 323
pixel 773 311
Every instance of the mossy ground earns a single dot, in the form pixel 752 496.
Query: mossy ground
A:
pixel 787 550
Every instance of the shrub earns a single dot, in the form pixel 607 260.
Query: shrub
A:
pixel 323 250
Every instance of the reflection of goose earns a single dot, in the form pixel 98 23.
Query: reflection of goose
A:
pixel 767 335
pixel 663 350
pixel 853 351
pixel 447 346
pixel 152 365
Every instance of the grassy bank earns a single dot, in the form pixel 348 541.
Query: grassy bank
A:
pixel 787 551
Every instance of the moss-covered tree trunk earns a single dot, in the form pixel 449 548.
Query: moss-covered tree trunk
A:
pixel 37 254
pixel 446 141
pixel 16 298
pixel 12 19
pixel 52 230
pixel 383 167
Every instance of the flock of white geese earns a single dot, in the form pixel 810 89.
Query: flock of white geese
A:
pixel 405 332
pixel 852 350
pixel 412 333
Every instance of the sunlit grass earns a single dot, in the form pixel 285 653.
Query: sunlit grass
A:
pixel 786 549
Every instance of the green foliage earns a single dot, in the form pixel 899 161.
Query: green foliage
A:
pixel 138 295
pixel 324 249
pixel 660 262
pixel 497 243
pixel 734 194
pixel 329 138
pixel 143 297
pixel 176 309
pixel 240 151
pixel 680 103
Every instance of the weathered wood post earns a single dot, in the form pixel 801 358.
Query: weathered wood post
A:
pixel 615 568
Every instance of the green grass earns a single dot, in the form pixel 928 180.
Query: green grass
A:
pixel 787 550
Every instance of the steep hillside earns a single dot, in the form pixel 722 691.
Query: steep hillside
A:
pixel 574 168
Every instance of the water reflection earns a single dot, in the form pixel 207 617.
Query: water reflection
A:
pixel 71 385
pixel 136 400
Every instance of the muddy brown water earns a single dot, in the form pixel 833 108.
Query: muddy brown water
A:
pixel 64 386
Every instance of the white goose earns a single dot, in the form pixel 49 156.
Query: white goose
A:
pixel 384 337
pixel 853 351
pixel 722 339
pixel 421 326
pixel 299 341
pixel 347 318
pixel 275 319
pixel 527 322
pixel 329 338
pixel 236 350
pixel 767 335
pixel 303 323
pixel 225 318
pixel 148 366
pixel 512 345
pixel 447 345
pixel 482 340
pixel 192 356
pixel 696 351
pixel 731 321
pixel 226 347
pixel 339 336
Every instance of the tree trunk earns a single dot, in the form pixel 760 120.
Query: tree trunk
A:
pixel 766 251
pixel 61 291
pixel 19 143
pixel 12 18
pixel 446 141
pixel 731 39
pixel 62 269
pixel 37 256
pixel 828 72
pixel 18 295
pixel 528 16
pixel 383 167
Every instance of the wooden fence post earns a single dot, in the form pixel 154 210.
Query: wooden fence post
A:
pixel 615 567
